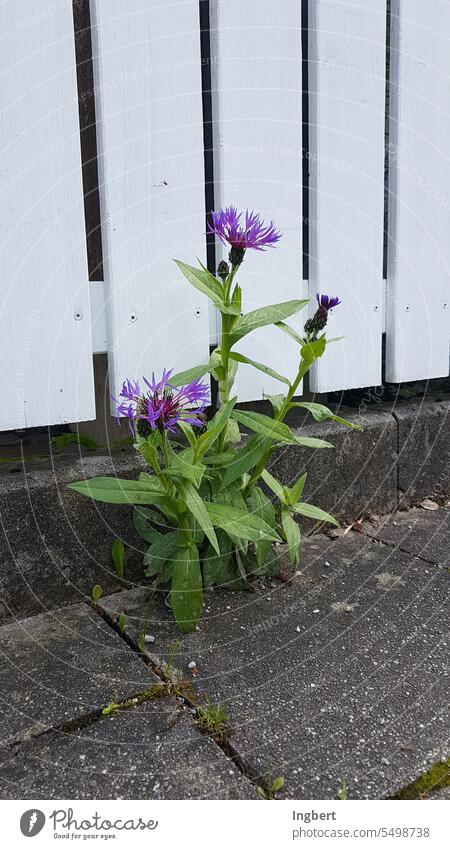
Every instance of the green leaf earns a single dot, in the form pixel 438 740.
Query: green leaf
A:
pixel 320 413
pixel 290 332
pixel 184 466
pixel 271 314
pixel 244 460
pixel 215 365
pixel 277 488
pixel 313 442
pixel 291 532
pixel 277 402
pixel 202 280
pixel 149 453
pixel 121 622
pixel 312 351
pixel 296 491
pixel 262 506
pixel 161 550
pixel 118 556
pixel 234 355
pixel 236 299
pixel 118 491
pixel 312 512
pixel 215 427
pixel 222 459
pixel 142 517
pixel 233 435
pixel 229 309
pixel 215 567
pixel 198 509
pixel 267 427
pixel 97 592
pixel 184 377
pixel 186 595
pixel 240 523
pixel 277 784
pixel 189 433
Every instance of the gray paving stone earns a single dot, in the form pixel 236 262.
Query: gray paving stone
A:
pixel 340 675
pixel 61 665
pixel 151 752
pixel 421 532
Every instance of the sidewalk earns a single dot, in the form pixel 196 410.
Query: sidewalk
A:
pixel 340 675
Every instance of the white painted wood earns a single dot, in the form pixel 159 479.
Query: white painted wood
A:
pixel 257 111
pixel 418 315
pixel 347 123
pixel 150 140
pixel 45 337
pixel 98 317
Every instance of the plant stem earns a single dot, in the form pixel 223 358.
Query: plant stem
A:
pixel 279 417
pixel 225 383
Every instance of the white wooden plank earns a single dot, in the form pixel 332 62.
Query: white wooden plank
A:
pixel 418 315
pixel 45 338
pixel 347 123
pixel 150 140
pixel 98 317
pixel 257 113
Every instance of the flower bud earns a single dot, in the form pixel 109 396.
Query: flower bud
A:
pixel 236 255
pixel 223 270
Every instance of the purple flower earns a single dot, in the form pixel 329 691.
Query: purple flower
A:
pixel 164 405
pixel 252 232
pixel 319 320
pixel 327 301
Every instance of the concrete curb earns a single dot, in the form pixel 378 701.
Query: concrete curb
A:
pixel 55 545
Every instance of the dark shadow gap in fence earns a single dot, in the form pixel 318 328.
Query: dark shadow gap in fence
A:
pixel 86 110
pixel 305 136
pixel 208 136
pixel 386 139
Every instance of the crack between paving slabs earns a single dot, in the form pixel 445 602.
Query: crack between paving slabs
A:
pixel 72 726
pixel 184 691
pixel 395 547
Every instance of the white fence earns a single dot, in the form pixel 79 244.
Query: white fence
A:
pixel 148 97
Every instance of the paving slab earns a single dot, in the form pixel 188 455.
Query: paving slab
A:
pixel 58 666
pixel 150 752
pixel 341 675
pixel 425 533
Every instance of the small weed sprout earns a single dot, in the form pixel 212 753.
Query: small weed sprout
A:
pixel 342 793
pixel 212 719
pixel 269 792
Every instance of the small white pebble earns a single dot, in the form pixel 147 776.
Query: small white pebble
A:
pixel 326 563
pixel 298 629
pixel 149 638
pixel 316 610
pixel 192 665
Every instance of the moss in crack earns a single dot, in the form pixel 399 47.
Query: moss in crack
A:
pixel 435 779
pixel 156 691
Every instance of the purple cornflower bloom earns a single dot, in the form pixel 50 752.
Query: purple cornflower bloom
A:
pixel 319 320
pixel 252 232
pixel 327 301
pixel 164 405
